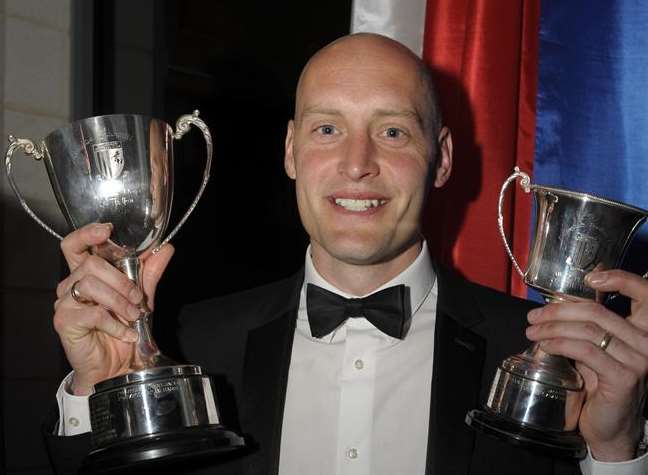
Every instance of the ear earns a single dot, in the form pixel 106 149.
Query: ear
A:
pixel 444 159
pixel 289 157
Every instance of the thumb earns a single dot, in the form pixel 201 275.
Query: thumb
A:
pixel 590 378
pixel 153 269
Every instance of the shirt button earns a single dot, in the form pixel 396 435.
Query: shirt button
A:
pixel 352 453
pixel 359 364
pixel 73 421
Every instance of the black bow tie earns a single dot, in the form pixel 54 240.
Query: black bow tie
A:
pixel 388 310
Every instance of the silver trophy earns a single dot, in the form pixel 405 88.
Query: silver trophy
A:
pixel 536 398
pixel 119 169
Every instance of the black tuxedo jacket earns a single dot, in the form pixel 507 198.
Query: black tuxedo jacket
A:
pixel 245 341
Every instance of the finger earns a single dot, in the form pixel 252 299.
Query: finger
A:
pixel 626 283
pixel 74 324
pixel 632 286
pixel 76 244
pixel 593 334
pixel 103 270
pixel 589 377
pixel 626 355
pixel 596 320
pixel 94 289
pixel 588 313
pixel 610 372
pixel 580 311
pixel 585 331
pixel 154 267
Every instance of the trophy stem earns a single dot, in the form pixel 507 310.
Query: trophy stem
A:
pixel 147 354
pixel 557 363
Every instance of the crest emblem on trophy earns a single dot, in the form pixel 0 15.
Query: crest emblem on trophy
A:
pixel 109 159
pixel 589 241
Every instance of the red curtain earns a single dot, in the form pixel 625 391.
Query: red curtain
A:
pixel 484 55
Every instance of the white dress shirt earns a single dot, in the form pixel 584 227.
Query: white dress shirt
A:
pixel 357 401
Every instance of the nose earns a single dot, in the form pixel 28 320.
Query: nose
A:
pixel 359 158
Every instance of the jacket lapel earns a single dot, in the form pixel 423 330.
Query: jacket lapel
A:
pixel 267 360
pixel 456 379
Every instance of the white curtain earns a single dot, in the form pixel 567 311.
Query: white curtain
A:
pixel 402 20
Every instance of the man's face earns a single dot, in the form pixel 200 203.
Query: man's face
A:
pixel 360 152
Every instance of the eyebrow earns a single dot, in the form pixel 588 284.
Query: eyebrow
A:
pixel 405 113
pixel 320 111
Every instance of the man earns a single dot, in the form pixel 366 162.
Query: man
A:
pixel 365 145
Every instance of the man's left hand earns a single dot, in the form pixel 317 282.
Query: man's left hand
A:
pixel 615 377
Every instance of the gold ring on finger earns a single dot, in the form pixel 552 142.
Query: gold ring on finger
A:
pixel 605 341
pixel 76 295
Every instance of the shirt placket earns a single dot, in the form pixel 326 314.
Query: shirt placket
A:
pixel 356 410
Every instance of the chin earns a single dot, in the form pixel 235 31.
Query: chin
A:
pixel 358 251
pixel 363 245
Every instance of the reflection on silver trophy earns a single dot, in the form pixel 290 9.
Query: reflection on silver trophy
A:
pixel 118 169
pixel 536 398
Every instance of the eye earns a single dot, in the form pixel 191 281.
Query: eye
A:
pixel 394 133
pixel 326 129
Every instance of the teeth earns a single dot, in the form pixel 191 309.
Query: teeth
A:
pixel 358 205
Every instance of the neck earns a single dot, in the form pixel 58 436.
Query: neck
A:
pixel 361 279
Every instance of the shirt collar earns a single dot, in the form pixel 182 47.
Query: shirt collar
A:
pixel 419 276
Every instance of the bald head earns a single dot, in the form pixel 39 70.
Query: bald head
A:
pixel 364 148
pixel 369 51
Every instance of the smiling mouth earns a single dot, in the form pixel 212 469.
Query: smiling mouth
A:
pixel 358 205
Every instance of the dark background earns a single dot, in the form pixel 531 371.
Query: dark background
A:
pixel 238 63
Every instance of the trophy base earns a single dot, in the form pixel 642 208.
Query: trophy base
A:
pixel 159 414
pixel 149 451
pixel 557 444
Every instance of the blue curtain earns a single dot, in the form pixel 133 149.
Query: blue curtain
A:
pixel 592 103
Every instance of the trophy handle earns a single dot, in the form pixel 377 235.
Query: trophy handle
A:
pixel 525 183
pixel 29 148
pixel 183 125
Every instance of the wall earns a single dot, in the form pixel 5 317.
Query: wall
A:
pixel 35 69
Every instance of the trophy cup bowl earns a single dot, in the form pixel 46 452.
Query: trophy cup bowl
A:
pixel 118 169
pixel 536 398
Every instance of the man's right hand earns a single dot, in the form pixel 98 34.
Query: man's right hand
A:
pixel 96 337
